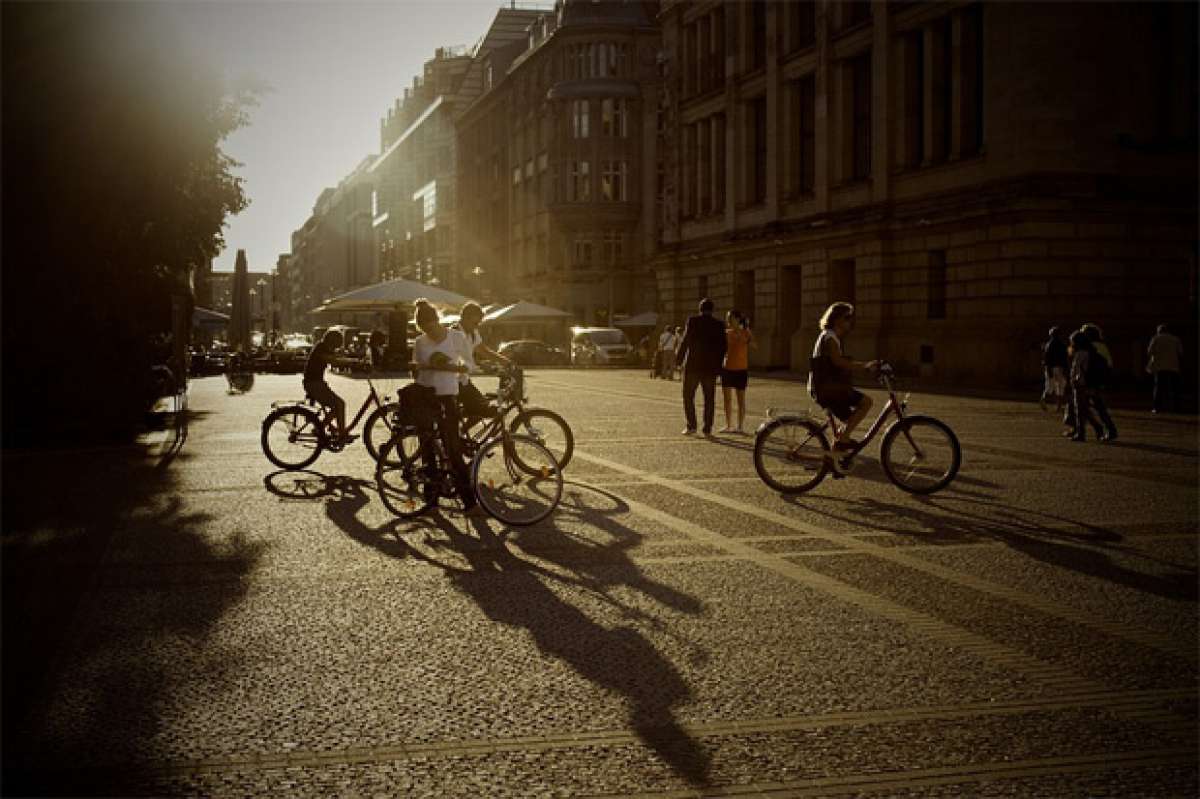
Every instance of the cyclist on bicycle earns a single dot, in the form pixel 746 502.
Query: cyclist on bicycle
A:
pixel 829 379
pixel 316 387
pixel 472 401
pixel 443 351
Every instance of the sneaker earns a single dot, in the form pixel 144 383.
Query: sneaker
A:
pixel 688 431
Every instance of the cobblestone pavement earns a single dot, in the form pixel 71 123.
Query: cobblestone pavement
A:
pixel 675 629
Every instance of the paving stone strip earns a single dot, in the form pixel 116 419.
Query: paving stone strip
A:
pixel 1147 705
pixel 1128 632
pixel 946 775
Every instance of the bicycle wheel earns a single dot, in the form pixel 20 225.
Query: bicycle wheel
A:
pixel 789 454
pixel 920 455
pixel 548 429
pixel 291 437
pixel 401 477
pixel 379 428
pixel 516 480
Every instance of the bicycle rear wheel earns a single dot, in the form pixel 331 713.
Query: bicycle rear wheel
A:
pixel 789 454
pixel 291 437
pixel 920 455
pixel 516 480
pixel 402 479
pixel 548 429
pixel 380 426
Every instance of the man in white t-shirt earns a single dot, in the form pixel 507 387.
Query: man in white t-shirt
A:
pixel 473 403
pixel 446 350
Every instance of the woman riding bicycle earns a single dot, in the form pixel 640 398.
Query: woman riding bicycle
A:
pixel 443 352
pixel 830 383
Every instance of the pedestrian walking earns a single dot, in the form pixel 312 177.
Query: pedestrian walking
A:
pixel 665 352
pixel 735 373
pixel 700 354
pixel 1055 366
pixel 1082 357
pixel 1099 374
pixel 1166 355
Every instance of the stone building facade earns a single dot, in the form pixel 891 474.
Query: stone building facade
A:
pixel 557 163
pixel 966 173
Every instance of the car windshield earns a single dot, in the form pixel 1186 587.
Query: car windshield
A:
pixel 607 337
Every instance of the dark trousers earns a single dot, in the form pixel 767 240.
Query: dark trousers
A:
pixel 1166 388
pixel 448 430
pixel 1081 405
pixel 1096 397
pixel 708 382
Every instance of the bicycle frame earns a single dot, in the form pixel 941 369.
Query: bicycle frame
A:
pixel 893 406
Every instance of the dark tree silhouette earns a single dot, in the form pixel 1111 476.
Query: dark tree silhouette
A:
pixel 115 188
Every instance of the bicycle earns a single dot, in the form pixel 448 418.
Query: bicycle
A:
pixel 542 425
pixel 296 432
pixel 919 454
pixel 515 478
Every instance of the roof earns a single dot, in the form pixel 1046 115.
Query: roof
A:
pixel 594 87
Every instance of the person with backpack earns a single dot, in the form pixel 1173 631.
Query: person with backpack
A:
pixel 1099 374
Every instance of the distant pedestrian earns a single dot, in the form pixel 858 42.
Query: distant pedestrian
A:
pixel 1099 374
pixel 1082 355
pixel 665 352
pixel 700 353
pixel 1055 365
pixel 1166 355
pixel 376 355
pixel 735 373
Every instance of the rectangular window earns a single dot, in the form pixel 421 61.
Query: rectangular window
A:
pixel 582 251
pixel 702 286
pixel 581 182
pixel 704 56
pixel 843 281
pixel 972 77
pixel 719 163
pixel 613 114
pixel 704 176
pixel 613 181
pixel 860 78
pixel 806 128
pixel 914 100
pixel 611 252
pixel 937 285
pixel 717 62
pixel 579 118
pixel 802 24
pixel 758 33
pixel 758 150
pixel 855 11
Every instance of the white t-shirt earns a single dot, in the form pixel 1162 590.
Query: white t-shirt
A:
pixel 666 341
pixel 470 341
pixel 454 347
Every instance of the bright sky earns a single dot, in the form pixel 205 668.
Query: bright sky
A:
pixel 335 67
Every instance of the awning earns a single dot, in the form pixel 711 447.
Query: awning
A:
pixel 387 295
pixel 644 319
pixel 526 312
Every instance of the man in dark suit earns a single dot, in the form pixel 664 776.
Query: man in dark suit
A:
pixel 701 354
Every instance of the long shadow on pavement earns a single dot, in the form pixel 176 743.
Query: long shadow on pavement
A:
pixel 82 701
pixel 515 591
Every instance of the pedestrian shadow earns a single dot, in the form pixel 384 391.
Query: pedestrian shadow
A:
pixel 517 591
pixel 1159 449
pixel 85 683
pixel 1056 540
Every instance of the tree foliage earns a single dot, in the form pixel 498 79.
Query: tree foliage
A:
pixel 115 187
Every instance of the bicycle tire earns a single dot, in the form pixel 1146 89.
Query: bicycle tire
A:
pixel 498 475
pixel 952 453
pixel 521 425
pixel 764 455
pixel 379 428
pixel 403 488
pixel 291 431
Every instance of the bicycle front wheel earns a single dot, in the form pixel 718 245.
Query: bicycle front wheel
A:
pixel 548 429
pixel 291 437
pixel 789 454
pixel 402 479
pixel 380 426
pixel 516 480
pixel 920 455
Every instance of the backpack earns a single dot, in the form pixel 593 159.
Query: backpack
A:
pixel 1098 370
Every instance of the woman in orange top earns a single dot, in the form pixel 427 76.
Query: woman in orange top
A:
pixel 735 374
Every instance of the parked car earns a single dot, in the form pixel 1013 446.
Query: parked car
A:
pixel 600 346
pixel 528 352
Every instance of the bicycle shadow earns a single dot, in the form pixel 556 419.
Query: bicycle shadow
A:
pixel 1044 537
pixel 517 591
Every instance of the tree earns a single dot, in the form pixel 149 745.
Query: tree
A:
pixel 115 188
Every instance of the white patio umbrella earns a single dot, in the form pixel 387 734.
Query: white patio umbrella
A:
pixel 387 295
pixel 526 312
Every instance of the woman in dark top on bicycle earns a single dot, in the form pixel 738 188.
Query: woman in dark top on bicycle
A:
pixel 314 380
pixel 830 379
